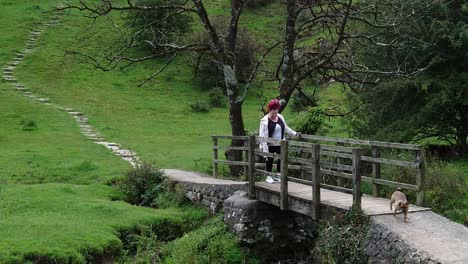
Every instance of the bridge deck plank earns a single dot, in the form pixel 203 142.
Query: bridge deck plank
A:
pixel 370 205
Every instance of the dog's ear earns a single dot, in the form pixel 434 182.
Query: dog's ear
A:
pixel 407 203
pixel 399 204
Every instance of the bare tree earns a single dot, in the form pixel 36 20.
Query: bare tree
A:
pixel 331 24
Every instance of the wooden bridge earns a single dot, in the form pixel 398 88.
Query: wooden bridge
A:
pixel 320 175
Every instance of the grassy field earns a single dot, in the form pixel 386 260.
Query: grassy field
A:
pixel 53 204
pixel 154 120
pixel 52 180
pixel 64 223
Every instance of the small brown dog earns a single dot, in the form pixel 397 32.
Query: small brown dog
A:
pixel 400 203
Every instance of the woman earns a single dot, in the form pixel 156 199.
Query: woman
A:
pixel 274 126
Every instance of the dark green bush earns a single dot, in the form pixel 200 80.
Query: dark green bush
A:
pixel 142 184
pixel 211 243
pixel 174 196
pixel 217 98
pixel 343 242
pixel 445 188
pixel 28 125
pixel 310 121
pixel 258 3
pixel 199 107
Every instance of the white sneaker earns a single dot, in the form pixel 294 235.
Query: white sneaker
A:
pixel 277 178
pixel 269 179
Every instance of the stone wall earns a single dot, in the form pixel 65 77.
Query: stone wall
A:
pixel 384 246
pixel 268 231
pixel 211 196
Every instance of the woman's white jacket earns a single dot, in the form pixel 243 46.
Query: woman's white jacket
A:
pixel 263 131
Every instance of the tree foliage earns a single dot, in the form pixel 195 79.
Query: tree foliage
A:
pixel 209 71
pixel 431 105
pixel 157 26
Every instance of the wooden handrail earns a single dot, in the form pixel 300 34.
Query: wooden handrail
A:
pixel 307 160
pixel 363 142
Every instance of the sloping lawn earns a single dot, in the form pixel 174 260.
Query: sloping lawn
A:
pixel 65 223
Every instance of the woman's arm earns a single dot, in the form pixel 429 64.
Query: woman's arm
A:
pixel 287 130
pixel 263 132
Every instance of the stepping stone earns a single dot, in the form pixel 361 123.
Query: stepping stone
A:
pixel 126 153
pixel 81 119
pixel 43 100
pixel 76 113
pixel 22 89
pixel 9 79
pixel 8 74
pixel 68 109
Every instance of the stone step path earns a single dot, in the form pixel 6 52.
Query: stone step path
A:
pixel 86 129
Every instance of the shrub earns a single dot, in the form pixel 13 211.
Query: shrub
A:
pixel 199 107
pixel 142 184
pixel 217 98
pixel 258 3
pixel 211 243
pixel 310 121
pixel 209 72
pixel 28 125
pixel 343 242
pixel 445 188
pixel 174 196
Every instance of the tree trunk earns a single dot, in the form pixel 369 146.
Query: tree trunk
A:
pixel 288 66
pixel 235 119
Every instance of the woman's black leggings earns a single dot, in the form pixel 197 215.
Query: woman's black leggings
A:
pixel 269 164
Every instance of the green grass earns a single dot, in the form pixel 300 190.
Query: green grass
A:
pixel 44 216
pixel 65 223
pixel 154 120
pixel 212 243
pixel 53 150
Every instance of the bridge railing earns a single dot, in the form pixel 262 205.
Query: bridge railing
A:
pixel 371 155
pixel 309 159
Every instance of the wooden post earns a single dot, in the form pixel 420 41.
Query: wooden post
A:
pixel 375 171
pixel 339 180
pixel 215 157
pixel 304 174
pixel 315 182
pixel 251 167
pixel 246 159
pixel 420 177
pixel 356 179
pixel 284 175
